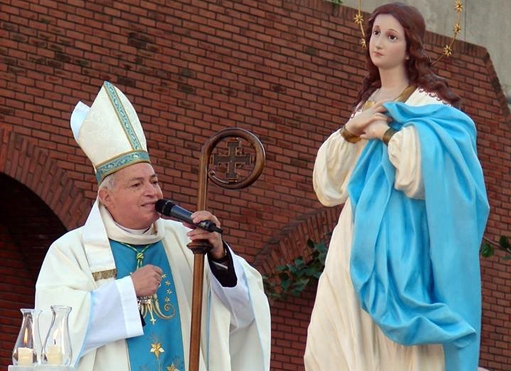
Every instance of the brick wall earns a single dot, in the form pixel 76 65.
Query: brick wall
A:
pixel 287 71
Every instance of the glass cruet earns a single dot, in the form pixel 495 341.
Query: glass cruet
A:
pixel 57 345
pixel 27 348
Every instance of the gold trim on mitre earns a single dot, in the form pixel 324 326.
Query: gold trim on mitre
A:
pixel 109 132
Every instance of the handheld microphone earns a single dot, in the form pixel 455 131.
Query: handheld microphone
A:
pixel 168 208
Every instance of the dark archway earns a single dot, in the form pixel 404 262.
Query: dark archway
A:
pixel 38 203
pixel 33 167
pixel 27 228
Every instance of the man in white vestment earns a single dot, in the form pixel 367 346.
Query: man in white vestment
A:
pixel 127 274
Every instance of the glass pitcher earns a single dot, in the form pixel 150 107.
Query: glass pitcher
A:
pixel 57 345
pixel 27 348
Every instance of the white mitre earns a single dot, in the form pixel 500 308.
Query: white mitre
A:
pixel 109 132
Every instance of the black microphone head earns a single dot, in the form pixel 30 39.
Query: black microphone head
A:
pixel 164 206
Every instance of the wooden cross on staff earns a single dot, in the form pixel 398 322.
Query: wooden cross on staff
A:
pixel 234 159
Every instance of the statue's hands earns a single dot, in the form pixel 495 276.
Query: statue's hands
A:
pixel 375 130
pixel 362 123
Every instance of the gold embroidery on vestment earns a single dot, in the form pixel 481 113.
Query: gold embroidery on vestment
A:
pixel 104 275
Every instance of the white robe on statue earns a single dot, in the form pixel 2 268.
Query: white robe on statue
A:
pixel 342 336
pixel 236 321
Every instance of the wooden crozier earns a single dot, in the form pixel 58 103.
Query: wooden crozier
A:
pixel 233 160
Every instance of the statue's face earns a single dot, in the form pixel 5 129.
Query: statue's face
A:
pixel 387 45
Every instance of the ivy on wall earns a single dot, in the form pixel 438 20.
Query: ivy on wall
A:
pixel 293 278
pixel 488 247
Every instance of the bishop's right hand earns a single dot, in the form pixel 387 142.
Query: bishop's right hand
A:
pixel 146 280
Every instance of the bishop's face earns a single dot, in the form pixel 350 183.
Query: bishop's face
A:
pixel 131 201
pixel 387 44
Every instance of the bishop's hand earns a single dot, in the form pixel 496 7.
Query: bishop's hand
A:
pixel 214 238
pixel 146 280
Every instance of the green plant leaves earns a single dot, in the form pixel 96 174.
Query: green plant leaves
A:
pixel 488 248
pixel 294 278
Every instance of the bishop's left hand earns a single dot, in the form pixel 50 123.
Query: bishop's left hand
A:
pixel 214 238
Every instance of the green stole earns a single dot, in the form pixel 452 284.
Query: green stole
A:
pixel 160 348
